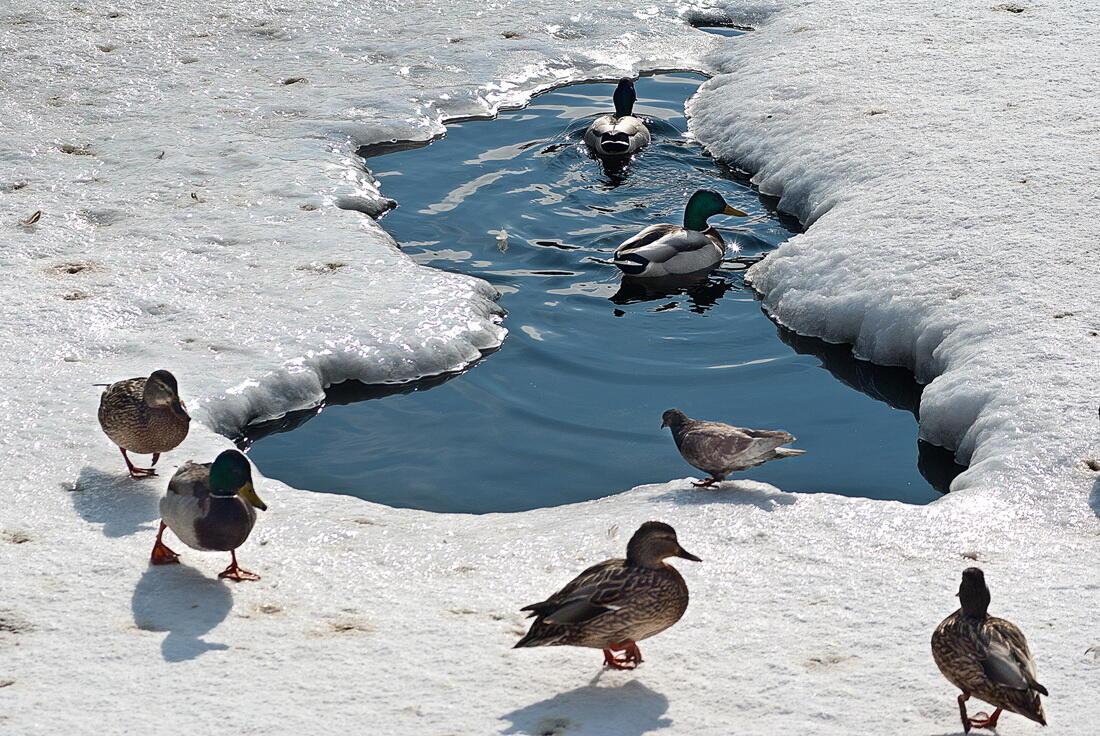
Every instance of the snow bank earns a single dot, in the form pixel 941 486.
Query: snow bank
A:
pixel 942 156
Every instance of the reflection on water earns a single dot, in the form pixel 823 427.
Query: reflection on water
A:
pixel 569 408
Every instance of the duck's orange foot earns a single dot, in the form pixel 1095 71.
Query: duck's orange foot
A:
pixel 235 572
pixel 162 555
pixel 984 720
pixel 632 656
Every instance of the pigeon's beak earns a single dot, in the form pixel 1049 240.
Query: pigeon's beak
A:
pixel 687 555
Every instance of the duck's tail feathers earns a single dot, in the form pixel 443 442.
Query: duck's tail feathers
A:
pixel 631 264
pixel 615 143
pixel 789 452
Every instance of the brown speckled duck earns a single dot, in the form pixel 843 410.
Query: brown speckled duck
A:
pixel 986 657
pixel 144 416
pixel 210 507
pixel 721 449
pixel 617 603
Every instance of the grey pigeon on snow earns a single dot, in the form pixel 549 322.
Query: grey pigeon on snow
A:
pixel 721 449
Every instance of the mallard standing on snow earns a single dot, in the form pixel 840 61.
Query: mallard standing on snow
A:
pixel 671 250
pixel 721 449
pixel 617 603
pixel 986 657
pixel 144 416
pixel 621 134
pixel 210 508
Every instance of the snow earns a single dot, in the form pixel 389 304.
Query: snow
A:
pixel 944 158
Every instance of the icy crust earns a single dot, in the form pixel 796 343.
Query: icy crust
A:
pixel 942 171
pixel 809 614
pixel 194 170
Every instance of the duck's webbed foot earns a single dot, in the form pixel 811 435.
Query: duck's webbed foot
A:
pixel 136 472
pixel 708 483
pixel 236 572
pixel 632 656
pixel 984 720
pixel 161 555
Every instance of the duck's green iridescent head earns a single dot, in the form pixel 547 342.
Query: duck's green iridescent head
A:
pixel 704 204
pixel 230 475
pixel 624 97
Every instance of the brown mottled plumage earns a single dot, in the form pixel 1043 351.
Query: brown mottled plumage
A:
pixel 619 602
pixel 721 449
pixel 144 416
pixel 986 657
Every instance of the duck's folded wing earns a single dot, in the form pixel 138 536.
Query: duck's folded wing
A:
pixel 192 479
pixel 1007 659
pixel 590 594
pixel 658 243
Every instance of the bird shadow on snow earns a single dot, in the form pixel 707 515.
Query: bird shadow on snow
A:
pixel 183 602
pixel 1094 497
pixel 119 504
pixel 632 707
pixel 732 492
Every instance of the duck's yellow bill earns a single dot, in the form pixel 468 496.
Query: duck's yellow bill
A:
pixel 734 211
pixel 248 493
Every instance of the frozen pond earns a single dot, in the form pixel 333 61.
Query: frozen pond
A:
pixel 570 407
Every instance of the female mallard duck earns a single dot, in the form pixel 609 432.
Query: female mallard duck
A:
pixel 621 134
pixel 986 657
pixel 144 416
pixel 210 508
pixel 670 250
pixel 721 449
pixel 617 603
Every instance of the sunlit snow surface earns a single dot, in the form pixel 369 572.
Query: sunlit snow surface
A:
pixel 945 158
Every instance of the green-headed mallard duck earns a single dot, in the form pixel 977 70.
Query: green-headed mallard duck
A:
pixel 621 134
pixel 671 250
pixel 721 449
pixel 986 657
pixel 210 507
pixel 617 603
pixel 144 416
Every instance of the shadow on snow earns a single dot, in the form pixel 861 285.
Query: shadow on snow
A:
pixel 183 602
pixel 632 707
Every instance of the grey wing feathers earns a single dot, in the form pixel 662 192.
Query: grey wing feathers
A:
pixel 1008 661
pixel 647 236
pixel 192 479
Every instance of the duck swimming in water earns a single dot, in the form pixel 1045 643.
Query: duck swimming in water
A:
pixel 671 250
pixel 619 135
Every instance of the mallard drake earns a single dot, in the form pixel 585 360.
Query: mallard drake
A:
pixel 721 449
pixel 671 250
pixel 986 657
pixel 210 507
pixel 617 603
pixel 621 134
pixel 144 416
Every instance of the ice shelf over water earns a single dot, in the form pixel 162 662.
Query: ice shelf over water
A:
pixel 195 168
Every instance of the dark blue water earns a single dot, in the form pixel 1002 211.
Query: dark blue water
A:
pixel 570 407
